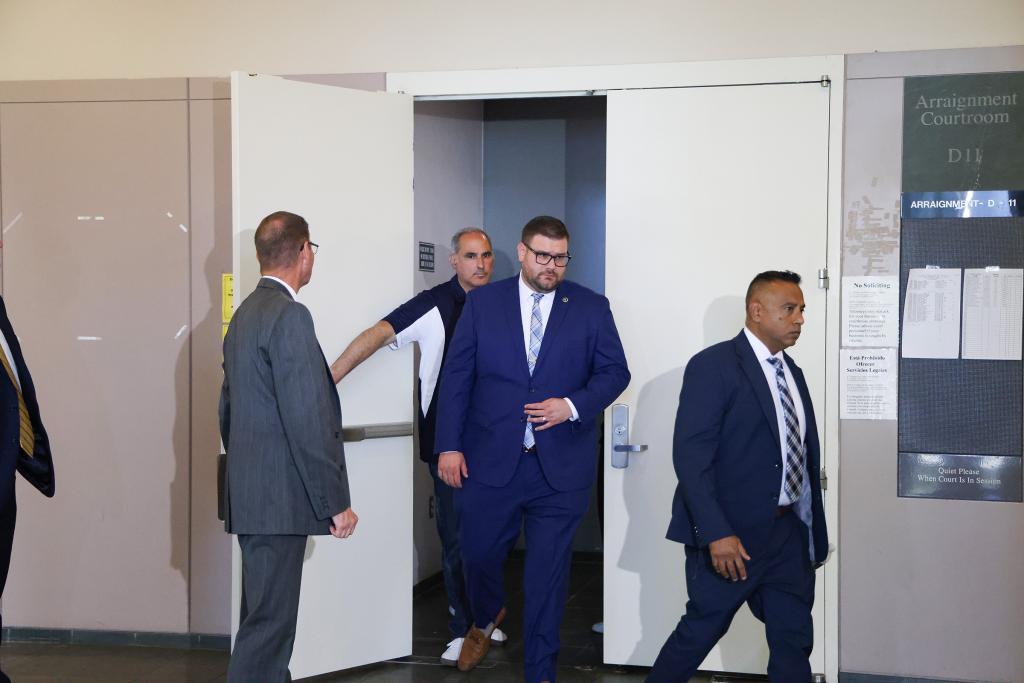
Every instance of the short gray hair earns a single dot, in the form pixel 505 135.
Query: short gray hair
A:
pixel 468 231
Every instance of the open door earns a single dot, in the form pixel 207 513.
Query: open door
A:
pixel 706 188
pixel 343 159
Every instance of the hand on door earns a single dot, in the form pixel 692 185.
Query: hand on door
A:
pixel 727 555
pixel 344 523
pixel 451 467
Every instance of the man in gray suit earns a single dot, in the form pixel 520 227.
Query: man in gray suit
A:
pixel 280 420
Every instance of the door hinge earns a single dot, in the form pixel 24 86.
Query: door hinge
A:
pixel 822 278
pixel 825 81
pixel 824 480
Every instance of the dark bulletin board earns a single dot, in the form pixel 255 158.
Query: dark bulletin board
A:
pixel 961 406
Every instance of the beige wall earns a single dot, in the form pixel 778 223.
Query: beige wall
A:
pixel 927 588
pixel 49 39
pixel 210 183
pixel 124 347
pixel 92 191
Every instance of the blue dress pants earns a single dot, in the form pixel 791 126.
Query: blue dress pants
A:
pixel 491 518
pixel 447 518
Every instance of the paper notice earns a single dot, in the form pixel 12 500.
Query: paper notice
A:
pixel 931 314
pixel 871 311
pixel 993 304
pixel 867 384
pixel 227 297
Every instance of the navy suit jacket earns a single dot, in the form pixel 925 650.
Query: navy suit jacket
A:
pixel 727 455
pixel 486 382
pixel 37 470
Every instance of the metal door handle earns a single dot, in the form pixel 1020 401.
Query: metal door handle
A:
pixel 621 448
pixel 378 431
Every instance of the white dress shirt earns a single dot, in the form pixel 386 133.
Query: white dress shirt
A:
pixel 10 359
pixel 526 311
pixel 763 354
pixel 286 285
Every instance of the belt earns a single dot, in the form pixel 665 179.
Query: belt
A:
pixel 782 509
pixel 531 449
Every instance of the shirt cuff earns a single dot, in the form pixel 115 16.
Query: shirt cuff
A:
pixel 575 415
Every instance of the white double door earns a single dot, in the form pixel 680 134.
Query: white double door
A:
pixel 705 187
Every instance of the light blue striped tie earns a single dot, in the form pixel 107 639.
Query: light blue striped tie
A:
pixel 536 336
pixel 794 444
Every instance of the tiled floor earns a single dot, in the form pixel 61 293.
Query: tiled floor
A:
pixel 579 661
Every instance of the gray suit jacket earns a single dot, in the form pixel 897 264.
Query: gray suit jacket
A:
pixel 280 420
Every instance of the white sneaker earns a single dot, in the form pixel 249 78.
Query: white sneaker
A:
pixel 451 655
pixel 498 637
pixel 598 627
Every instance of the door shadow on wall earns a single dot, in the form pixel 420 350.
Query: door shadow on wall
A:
pixel 662 581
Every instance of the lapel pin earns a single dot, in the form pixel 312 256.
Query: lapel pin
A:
pixel 565 299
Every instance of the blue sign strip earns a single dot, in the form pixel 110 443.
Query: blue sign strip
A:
pixel 969 204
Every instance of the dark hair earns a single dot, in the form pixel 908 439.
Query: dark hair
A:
pixel 548 226
pixel 279 238
pixel 770 276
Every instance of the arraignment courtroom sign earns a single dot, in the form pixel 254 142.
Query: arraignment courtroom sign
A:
pixel 961 415
pixel 963 133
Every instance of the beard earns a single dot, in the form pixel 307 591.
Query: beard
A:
pixel 545 285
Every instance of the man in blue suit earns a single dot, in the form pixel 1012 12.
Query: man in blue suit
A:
pixel 748 505
pixel 534 360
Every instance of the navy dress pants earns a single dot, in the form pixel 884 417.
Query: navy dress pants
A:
pixel 780 592
pixel 447 518
pixel 490 521
pixel 7 519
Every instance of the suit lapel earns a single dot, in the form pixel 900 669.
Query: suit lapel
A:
pixel 752 368
pixel 515 323
pixel 559 309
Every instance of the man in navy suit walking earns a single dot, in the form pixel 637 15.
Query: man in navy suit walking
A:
pixel 24 445
pixel 748 505
pixel 533 362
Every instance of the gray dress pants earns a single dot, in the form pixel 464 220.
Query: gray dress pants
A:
pixel 271 575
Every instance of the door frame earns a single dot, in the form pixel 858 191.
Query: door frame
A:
pixel 589 80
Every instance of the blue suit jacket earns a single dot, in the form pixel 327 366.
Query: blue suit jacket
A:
pixel 37 470
pixel 726 452
pixel 486 382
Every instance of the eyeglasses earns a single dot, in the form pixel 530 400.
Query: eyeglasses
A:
pixel 313 246
pixel 544 258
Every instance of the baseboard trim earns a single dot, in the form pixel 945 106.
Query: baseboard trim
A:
pixel 58 636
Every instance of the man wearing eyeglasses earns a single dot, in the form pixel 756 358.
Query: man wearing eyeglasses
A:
pixel 280 421
pixel 429 319
pixel 534 360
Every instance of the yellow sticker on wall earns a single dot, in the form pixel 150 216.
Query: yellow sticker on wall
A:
pixel 227 298
pixel 223 331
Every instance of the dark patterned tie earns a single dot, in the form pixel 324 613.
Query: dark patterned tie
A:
pixel 794 445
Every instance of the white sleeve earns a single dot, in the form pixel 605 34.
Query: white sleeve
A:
pixel 428 332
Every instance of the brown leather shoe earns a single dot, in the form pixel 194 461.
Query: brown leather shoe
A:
pixel 476 644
